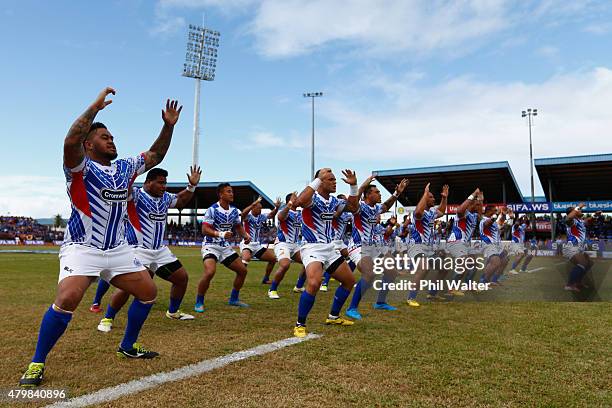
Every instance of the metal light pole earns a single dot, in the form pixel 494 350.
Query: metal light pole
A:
pixel 200 64
pixel 312 96
pixel 529 113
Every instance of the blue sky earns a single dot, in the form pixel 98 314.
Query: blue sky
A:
pixel 406 83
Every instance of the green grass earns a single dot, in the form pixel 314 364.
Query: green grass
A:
pixel 466 353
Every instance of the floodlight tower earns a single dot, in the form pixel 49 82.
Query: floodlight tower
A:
pixel 200 64
pixel 312 96
pixel 529 113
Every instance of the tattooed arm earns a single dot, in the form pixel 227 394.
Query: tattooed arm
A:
pixel 157 151
pixel 73 143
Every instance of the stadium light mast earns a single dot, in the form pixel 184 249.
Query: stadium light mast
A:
pixel 312 96
pixel 200 64
pixel 529 113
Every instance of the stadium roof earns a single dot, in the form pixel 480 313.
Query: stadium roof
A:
pixel 245 192
pixel 576 178
pixel 494 179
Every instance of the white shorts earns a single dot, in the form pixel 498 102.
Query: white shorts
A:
pixel 358 252
pixel 285 250
pixel 570 250
pixel 220 253
pixel 457 249
pixel 491 249
pixel 254 247
pixel 516 248
pixel 419 249
pixel 340 245
pixel 475 248
pixel 324 253
pixel 154 258
pixel 81 260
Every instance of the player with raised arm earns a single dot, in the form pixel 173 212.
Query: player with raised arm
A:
pixel 424 216
pixel 341 221
pixel 318 250
pixel 253 220
pixel 220 220
pixel 490 226
pixel 365 221
pixel 147 213
pixel 94 243
pixel 518 245
pixel 458 242
pixel 287 248
pixel 574 248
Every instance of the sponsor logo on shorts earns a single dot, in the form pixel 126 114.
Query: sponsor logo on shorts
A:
pixel 69 270
pixel 137 262
pixel 114 195
pixel 157 217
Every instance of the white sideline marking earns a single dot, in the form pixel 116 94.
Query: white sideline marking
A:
pixel 145 383
pixel 536 269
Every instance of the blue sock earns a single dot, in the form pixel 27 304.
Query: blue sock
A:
pixel 326 278
pixel 352 265
pixel 339 298
pixel 412 294
pixel 199 299
pixel 110 312
pixel 101 290
pixel 301 280
pixel 360 289
pixel 495 278
pixel 174 305
pixel 470 275
pixel 137 314
pixel 382 294
pixel 274 285
pixel 234 296
pixel 524 267
pixel 306 302
pixel 52 327
pixel 575 275
pixel 433 292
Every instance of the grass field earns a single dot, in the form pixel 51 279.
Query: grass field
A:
pixel 462 353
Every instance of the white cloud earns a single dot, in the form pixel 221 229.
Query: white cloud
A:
pixel 598 28
pixel 548 51
pixel 262 139
pixel 464 120
pixel 286 28
pixel 34 196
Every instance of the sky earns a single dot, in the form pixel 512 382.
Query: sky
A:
pixel 406 84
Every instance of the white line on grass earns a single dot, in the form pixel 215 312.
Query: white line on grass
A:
pixel 145 383
pixel 536 269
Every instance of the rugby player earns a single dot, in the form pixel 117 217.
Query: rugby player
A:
pixel 94 243
pixel 287 248
pixel 365 221
pixel 574 251
pixel 318 251
pixel 424 216
pixel 220 220
pixel 147 214
pixel 253 220
pixel 490 225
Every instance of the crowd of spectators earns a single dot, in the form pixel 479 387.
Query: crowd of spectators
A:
pixel 27 229
pixel 191 233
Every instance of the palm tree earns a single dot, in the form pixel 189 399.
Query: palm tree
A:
pixel 58 222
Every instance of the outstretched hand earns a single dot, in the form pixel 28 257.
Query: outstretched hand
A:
pixel 444 192
pixel 194 177
pixel 171 114
pixel 402 186
pixel 349 177
pixel 101 102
